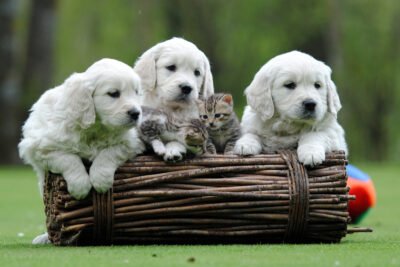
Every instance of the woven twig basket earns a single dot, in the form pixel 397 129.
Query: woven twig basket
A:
pixel 214 199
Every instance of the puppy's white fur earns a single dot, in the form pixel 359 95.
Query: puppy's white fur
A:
pixel 167 67
pixel 89 116
pixel 276 117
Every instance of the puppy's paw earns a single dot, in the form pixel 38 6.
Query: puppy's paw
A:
pixel 311 155
pixel 170 157
pixel 247 146
pixel 41 239
pixel 79 185
pixel 174 152
pixel 102 178
pixel 158 147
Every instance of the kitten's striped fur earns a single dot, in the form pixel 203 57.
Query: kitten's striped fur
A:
pixel 222 124
pixel 158 127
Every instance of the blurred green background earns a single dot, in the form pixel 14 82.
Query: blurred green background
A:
pixel 43 41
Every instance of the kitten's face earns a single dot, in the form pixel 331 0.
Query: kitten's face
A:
pixel 216 110
pixel 195 137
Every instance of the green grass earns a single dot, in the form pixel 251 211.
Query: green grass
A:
pixel 22 218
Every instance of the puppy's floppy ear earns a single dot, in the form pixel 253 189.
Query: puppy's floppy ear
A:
pixel 259 96
pixel 145 67
pixel 207 87
pixel 76 100
pixel 334 104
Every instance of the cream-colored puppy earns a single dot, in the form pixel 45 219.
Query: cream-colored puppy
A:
pixel 174 73
pixel 292 104
pixel 91 116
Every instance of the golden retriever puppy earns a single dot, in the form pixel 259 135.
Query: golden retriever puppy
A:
pixel 174 73
pixel 292 104
pixel 91 116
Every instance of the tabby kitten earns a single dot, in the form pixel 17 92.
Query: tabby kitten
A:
pixel 222 124
pixel 158 127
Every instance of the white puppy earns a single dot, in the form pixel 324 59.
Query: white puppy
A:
pixel 90 116
pixel 292 104
pixel 174 73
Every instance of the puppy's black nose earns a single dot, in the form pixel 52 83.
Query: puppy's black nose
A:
pixel 134 114
pixel 309 105
pixel 186 89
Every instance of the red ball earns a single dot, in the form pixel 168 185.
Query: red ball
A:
pixel 362 187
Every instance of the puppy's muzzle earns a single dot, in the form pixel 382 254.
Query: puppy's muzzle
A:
pixel 185 89
pixel 134 114
pixel 309 107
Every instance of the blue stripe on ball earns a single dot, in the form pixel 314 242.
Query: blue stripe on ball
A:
pixel 356 173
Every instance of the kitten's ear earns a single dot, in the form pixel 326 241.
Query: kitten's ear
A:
pixel 199 102
pixel 228 99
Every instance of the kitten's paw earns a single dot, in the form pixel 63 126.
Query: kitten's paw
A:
pixel 78 185
pixel 102 178
pixel 211 150
pixel 174 152
pixel 311 155
pixel 247 146
pixel 230 152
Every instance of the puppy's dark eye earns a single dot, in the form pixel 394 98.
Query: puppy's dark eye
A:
pixel 317 85
pixel 196 73
pixel 204 117
pixel 114 94
pixel 171 68
pixel 291 85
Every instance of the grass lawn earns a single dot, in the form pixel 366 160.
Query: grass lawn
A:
pixel 22 218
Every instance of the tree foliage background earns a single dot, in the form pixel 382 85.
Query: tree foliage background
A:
pixel 43 41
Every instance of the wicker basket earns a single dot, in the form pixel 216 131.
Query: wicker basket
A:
pixel 215 199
